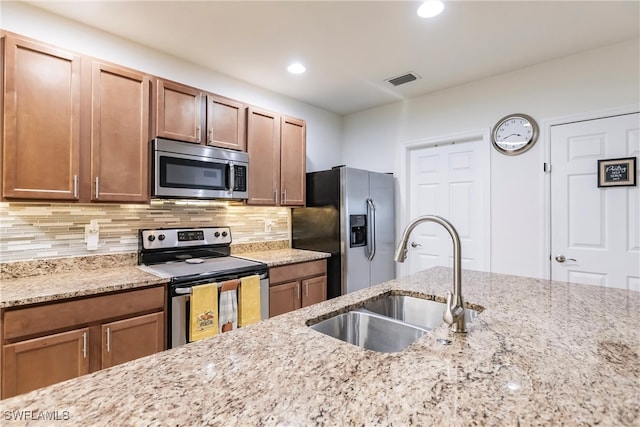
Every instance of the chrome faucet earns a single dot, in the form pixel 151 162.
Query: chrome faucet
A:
pixel 454 312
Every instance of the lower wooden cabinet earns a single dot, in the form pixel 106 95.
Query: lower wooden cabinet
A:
pixel 49 343
pixel 39 362
pixel 297 285
pixel 133 338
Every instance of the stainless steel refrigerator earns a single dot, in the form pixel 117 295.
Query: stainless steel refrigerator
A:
pixel 350 214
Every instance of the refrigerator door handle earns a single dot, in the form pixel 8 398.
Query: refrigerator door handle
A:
pixel 371 225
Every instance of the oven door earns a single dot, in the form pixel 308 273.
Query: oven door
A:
pixel 178 332
pixel 182 170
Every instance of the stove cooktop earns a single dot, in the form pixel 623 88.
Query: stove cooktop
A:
pixel 208 265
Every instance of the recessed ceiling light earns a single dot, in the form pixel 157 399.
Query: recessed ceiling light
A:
pixel 296 68
pixel 430 8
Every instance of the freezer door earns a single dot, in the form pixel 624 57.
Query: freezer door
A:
pixel 355 192
pixel 381 193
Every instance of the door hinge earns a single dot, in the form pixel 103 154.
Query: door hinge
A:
pixel 546 167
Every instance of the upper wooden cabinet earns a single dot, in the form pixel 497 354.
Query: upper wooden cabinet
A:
pixel 120 134
pixel 75 129
pixel 178 112
pixel 188 114
pixel 41 150
pixel 226 123
pixel 277 157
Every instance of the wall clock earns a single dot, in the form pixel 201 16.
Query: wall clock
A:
pixel 514 134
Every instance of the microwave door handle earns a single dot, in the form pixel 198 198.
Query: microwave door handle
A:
pixel 232 177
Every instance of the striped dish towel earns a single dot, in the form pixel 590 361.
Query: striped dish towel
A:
pixel 228 308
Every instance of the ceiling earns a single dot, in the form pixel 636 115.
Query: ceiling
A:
pixel 351 47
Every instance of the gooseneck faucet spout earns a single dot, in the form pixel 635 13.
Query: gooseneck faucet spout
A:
pixel 454 313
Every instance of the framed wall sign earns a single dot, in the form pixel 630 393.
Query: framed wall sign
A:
pixel 617 172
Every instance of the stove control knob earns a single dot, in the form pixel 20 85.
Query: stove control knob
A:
pixel 161 237
pixel 224 234
pixel 151 237
pixel 216 234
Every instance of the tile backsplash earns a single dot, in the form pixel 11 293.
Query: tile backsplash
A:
pixel 30 231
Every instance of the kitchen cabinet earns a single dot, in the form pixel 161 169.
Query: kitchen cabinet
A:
pixel 132 338
pixel 277 154
pixel 39 362
pixel 52 342
pixel 41 150
pixel 120 134
pixel 182 112
pixel 177 111
pixel 297 285
pixel 76 129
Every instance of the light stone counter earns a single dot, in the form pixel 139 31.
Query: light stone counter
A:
pixel 274 258
pixel 541 353
pixel 59 286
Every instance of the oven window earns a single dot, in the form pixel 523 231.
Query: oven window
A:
pixel 185 173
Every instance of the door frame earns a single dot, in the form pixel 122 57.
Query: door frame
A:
pixel 403 167
pixel 546 124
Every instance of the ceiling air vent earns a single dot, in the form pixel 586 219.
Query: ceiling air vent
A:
pixel 404 78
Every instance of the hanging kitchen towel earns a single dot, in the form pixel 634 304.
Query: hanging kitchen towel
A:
pixel 204 311
pixel 249 300
pixel 228 310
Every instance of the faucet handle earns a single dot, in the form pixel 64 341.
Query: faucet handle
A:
pixel 452 312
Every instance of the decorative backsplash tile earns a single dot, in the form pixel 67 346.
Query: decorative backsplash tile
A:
pixel 30 231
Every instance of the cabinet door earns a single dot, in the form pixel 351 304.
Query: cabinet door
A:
pixel 293 162
pixel 226 123
pixel 120 134
pixel 284 298
pixel 263 146
pixel 314 290
pixel 132 338
pixel 178 112
pixel 40 362
pixel 42 122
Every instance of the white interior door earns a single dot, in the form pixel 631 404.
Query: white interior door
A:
pixel 596 230
pixel 449 181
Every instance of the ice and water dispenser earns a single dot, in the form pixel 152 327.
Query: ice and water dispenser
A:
pixel 358 227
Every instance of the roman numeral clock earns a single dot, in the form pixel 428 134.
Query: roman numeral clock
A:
pixel 514 134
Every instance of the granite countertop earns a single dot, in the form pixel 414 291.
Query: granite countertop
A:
pixel 279 257
pixel 65 277
pixel 59 286
pixel 541 353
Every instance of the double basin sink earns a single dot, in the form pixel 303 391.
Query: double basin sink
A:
pixel 388 324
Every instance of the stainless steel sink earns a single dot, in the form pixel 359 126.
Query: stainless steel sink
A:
pixel 415 311
pixel 370 331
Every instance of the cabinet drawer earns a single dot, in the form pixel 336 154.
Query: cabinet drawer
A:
pixel 297 271
pixel 55 316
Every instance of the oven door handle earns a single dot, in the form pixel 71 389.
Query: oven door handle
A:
pixel 182 291
pixel 187 291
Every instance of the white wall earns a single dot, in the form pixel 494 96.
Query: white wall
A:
pixel 596 80
pixel 323 127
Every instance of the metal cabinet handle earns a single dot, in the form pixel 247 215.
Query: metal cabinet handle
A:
pixel 415 245
pixel 197 133
pixel 298 291
pixel 75 186
pixel 84 345
pixel 284 197
pixel 108 340
pixel 210 135
pixel 275 196
pixel 97 187
pixel 562 258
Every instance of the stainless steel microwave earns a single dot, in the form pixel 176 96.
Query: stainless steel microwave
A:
pixel 191 171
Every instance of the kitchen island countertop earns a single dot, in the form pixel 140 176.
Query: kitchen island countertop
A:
pixel 541 353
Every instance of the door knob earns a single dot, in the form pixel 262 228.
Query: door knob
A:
pixel 562 258
pixel 415 245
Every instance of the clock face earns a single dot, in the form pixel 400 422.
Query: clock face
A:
pixel 515 134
